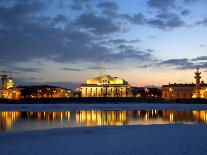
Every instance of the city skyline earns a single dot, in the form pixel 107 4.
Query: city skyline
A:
pixel 149 42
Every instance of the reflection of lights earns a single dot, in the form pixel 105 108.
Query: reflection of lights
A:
pixel 171 117
pixel 146 117
pixel 101 117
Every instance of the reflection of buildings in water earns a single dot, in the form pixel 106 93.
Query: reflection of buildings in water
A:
pixel 200 116
pixel 99 118
pixel 8 118
pixel 102 117
pixel 48 116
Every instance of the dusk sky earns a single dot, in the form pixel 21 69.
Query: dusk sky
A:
pixel 65 42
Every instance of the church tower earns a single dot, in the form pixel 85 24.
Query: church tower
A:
pixel 10 83
pixel 4 77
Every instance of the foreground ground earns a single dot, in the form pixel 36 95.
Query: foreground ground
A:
pixel 152 139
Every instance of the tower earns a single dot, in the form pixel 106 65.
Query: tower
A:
pixel 4 77
pixel 197 93
pixel 10 83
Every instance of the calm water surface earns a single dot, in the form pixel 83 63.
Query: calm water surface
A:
pixel 19 121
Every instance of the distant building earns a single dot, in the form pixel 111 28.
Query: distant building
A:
pixel 44 91
pixel 178 91
pixel 146 92
pixel 8 91
pixel 185 91
pixel 106 86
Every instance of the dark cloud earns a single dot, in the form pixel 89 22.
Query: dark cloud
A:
pixel 202 22
pixel 79 5
pixel 129 53
pixel 138 19
pixel 97 24
pixel 26 69
pixel 108 7
pixel 60 19
pixel 19 13
pixel 162 5
pixel 121 41
pixel 201 58
pixel 62 38
pixel 166 21
pixel 185 12
pixel 179 63
pixel 71 69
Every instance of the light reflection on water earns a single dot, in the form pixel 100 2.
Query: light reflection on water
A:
pixel 18 121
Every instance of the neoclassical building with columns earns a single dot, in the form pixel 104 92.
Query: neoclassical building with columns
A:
pixel 106 86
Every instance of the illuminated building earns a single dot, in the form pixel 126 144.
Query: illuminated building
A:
pixel 8 91
pixel 177 91
pixel 45 91
pixel 185 91
pixel 4 77
pixel 10 83
pixel 106 86
pixel 146 92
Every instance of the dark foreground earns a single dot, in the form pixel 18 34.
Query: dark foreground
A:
pixel 127 140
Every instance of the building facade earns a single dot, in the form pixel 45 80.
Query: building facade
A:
pixel 8 91
pixel 106 86
pixel 178 91
pixel 185 91
pixel 45 91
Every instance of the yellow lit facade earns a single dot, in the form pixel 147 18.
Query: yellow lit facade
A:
pixel 10 83
pixel 105 86
pixel 185 91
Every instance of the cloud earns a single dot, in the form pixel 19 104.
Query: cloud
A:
pixel 60 19
pixel 71 69
pixel 108 8
pixel 122 41
pixel 26 69
pixel 138 19
pixel 19 13
pixel 79 5
pixel 202 22
pixel 167 21
pixel 162 5
pixel 185 12
pixel 164 21
pixel 97 24
pixel 180 64
pixel 200 58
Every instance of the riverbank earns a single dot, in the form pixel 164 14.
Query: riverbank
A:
pixel 103 100
pixel 128 140
pixel 120 106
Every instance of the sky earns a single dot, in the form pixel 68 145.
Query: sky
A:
pixel 65 42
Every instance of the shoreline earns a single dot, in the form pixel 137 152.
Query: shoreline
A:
pixel 68 107
pixel 96 100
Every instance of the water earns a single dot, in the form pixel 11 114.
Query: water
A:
pixel 19 121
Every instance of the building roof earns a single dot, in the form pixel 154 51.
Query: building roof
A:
pixel 184 85
pixel 106 79
pixel 39 86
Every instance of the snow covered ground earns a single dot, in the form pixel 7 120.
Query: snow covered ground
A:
pixel 126 106
pixel 124 140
